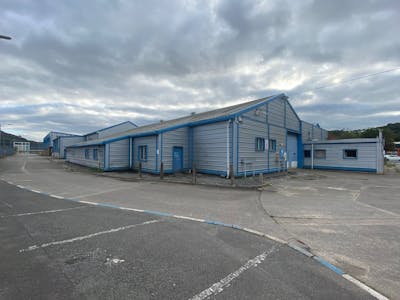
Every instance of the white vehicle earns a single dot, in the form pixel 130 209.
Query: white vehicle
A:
pixel 392 157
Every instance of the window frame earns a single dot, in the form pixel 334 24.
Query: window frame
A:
pixel 87 153
pixel 350 157
pixel 96 154
pixel 272 145
pixel 142 149
pixel 316 156
pixel 260 141
pixel 308 152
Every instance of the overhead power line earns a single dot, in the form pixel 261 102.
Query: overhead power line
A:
pixel 346 81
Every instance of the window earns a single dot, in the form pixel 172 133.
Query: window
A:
pixel 142 153
pixel 95 154
pixel 307 153
pixel 260 144
pixel 321 154
pixel 350 153
pixel 87 154
pixel 272 145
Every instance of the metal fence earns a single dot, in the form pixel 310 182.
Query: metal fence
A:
pixel 4 151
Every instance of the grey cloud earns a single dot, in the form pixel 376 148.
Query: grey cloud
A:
pixel 119 56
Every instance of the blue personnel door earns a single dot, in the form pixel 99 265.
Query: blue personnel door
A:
pixel 177 159
pixel 292 156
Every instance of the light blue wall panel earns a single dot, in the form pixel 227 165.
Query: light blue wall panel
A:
pixel 276 112
pixel 210 146
pixel 249 158
pixel 150 142
pixel 119 154
pixel 367 155
pixel 292 122
pixel 179 138
pixel 306 131
pixel 68 141
pixel 77 156
pixel 278 134
pixel 259 114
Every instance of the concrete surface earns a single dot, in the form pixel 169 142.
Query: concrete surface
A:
pixel 59 249
pixel 350 219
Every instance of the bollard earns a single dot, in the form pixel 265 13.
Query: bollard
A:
pixel 261 179
pixel 162 171
pixel 194 174
pixel 140 170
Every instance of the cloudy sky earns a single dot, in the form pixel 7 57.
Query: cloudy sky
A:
pixel 77 66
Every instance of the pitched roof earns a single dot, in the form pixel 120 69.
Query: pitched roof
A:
pixel 216 115
pixel 109 127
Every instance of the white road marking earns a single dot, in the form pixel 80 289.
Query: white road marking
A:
pixel 36 191
pixel 23 168
pixel 56 196
pixel 88 202
pixel 80 238
pixel 218 287
pixel 356 196
pixel 45 212
pixel 7 204
pixel 336 188
pixel 365 287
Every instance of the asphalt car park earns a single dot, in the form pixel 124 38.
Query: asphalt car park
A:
pixel 59 249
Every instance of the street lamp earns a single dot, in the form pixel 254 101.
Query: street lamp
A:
pixel 5 37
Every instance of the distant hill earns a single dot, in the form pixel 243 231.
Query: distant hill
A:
pixel 391 133
pixel 7 140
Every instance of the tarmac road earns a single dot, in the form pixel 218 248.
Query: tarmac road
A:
pixel 60 249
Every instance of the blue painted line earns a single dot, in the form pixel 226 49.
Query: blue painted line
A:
pixel 329 265
pixel 71 199
pixel 301 250
pixel 222 224
pixel 108 205
pixel 214 222
pixel 237 227
pixel 158 213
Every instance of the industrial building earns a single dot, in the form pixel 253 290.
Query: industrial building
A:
pixel 61 142
pixel 50 137
pixel 22 146
pixel 362 155
pixel 255 137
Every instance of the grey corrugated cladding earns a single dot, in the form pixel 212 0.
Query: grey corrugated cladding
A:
pixel 150 142
pixel 210 147
pixel 65 141
pixel 77 156
pixel 119 154
pixel 52 135
pixel 189 120
pixel 369 155
pixel 174 138
pixel 312 132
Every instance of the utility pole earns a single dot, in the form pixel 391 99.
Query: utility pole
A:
pixel 4 37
